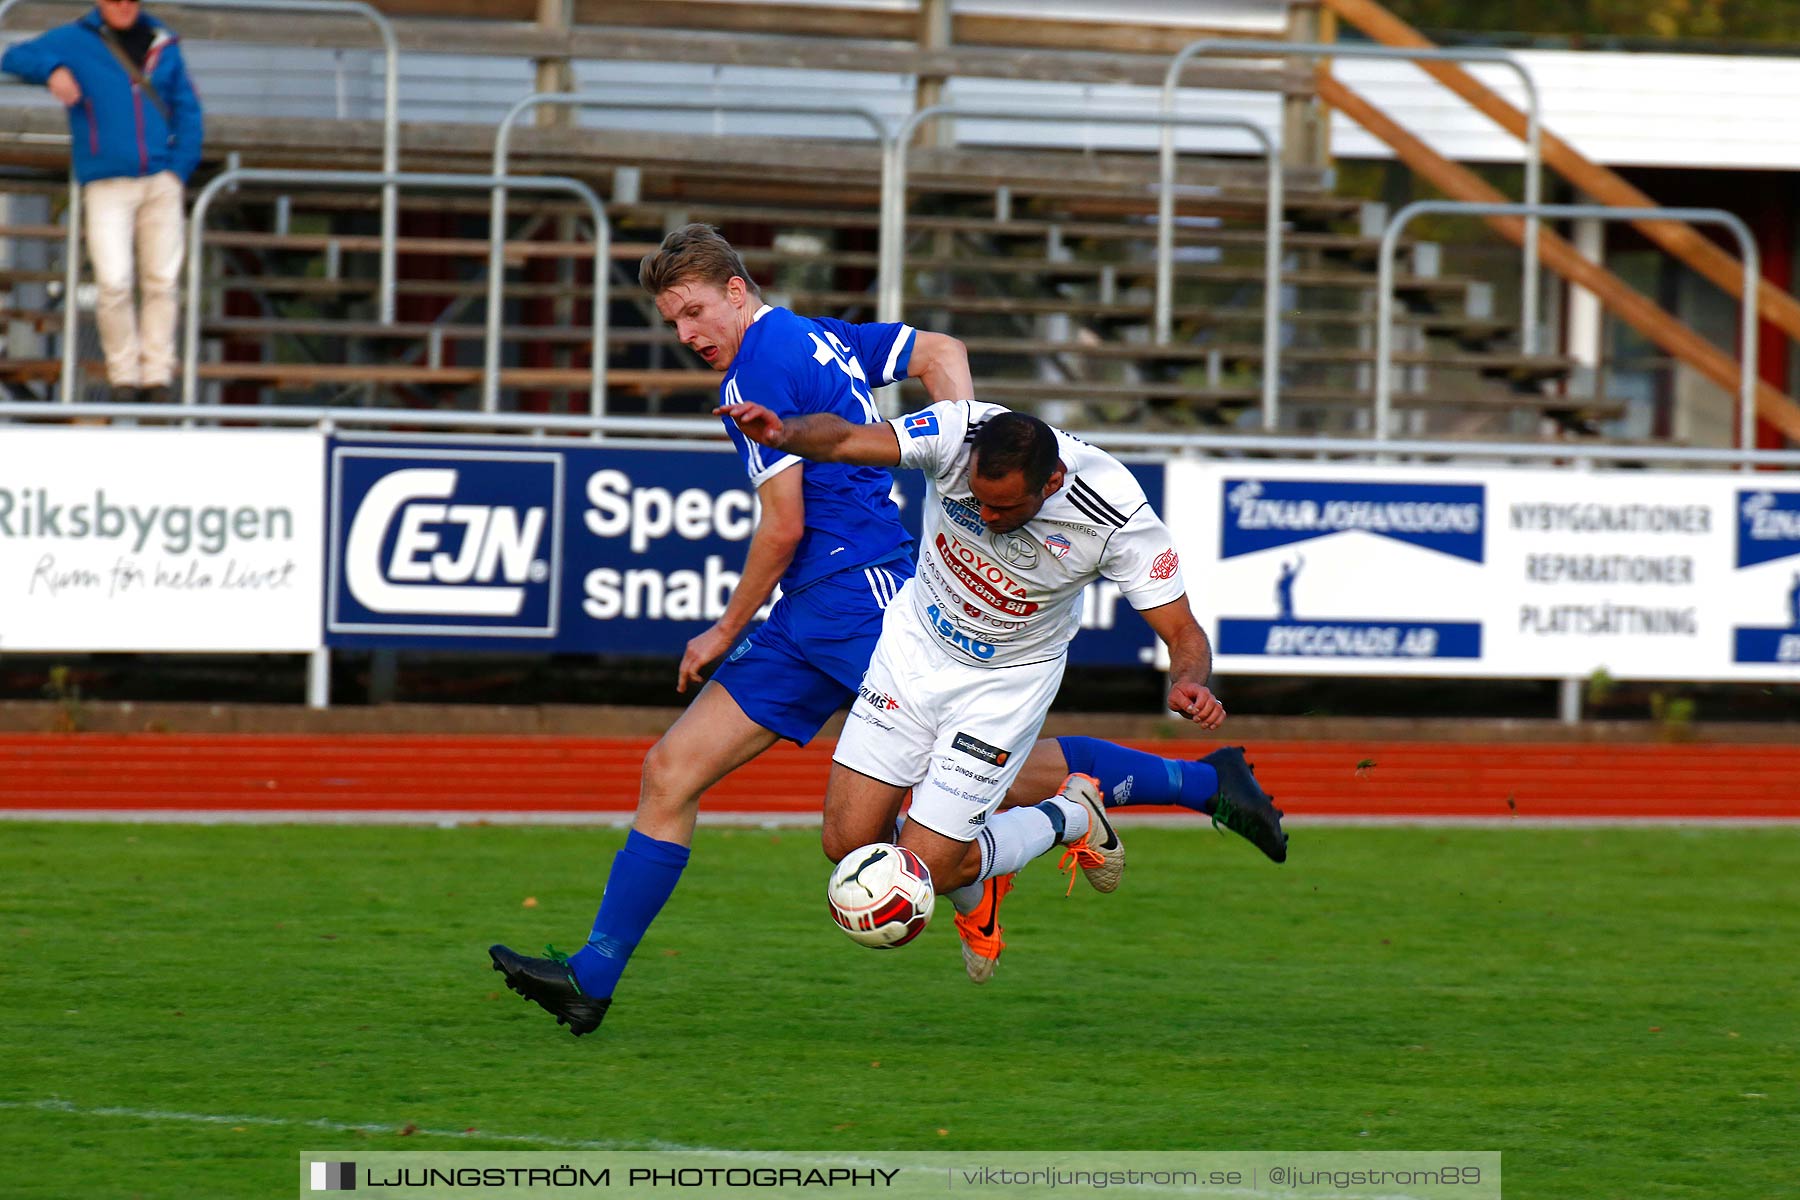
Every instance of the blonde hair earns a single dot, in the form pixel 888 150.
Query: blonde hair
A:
pixel 693 253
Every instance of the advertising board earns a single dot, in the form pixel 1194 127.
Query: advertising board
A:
pixel 1316 569
pixel 160 539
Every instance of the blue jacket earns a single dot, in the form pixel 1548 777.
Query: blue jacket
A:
pixel 114 130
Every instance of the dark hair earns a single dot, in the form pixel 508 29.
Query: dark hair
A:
pixel 1012 441
pixel 695 252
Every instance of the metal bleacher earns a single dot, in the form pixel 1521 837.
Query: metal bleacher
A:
pixel 1041 259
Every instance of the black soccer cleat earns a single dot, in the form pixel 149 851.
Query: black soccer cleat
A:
pixel 552 986
pixel 1242 806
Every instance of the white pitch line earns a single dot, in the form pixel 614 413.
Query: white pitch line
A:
pixel 546 1141
pixel 189 1118
pixel 1539 822
pixel 525 1139
pixel 443 818
pixel 618 820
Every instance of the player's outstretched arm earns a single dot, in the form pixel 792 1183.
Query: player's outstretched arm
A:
pixel 822 437
pixel 772 548
pixel 1190 663
pixel 941 363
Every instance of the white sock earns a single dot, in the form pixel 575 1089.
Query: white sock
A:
pixel 1075 818
pixel 1012 839
pixel 966 897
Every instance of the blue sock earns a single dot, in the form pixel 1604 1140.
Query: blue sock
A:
pixel 643 876
pixel 1133 777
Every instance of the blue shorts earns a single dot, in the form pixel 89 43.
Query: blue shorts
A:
pixel 805 661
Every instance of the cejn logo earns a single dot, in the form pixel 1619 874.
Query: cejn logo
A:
pixel 453 541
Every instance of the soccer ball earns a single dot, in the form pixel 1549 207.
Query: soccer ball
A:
pixel 881 895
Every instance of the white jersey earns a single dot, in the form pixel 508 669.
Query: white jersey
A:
pixel 1001 599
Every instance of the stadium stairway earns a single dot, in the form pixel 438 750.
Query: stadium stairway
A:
pixel 1042 260
pixel 516 777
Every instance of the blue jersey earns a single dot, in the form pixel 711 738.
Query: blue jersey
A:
pixel 794 365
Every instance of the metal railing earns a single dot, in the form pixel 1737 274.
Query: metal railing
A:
pixel 895 151
pixel 390 122
pixel 1390 237
pixel 705 429
pixel 893 215
pixel 490 383
pixel 491 343
pixel 1528 302
pixel 68 381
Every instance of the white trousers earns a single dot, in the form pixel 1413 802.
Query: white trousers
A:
pixel 134 234
pixel 958 735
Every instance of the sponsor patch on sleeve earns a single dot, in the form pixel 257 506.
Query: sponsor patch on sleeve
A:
pixel 974 747
pixel 1165 565
pixel 922 424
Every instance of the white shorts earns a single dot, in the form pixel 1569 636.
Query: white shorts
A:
pixel 957 735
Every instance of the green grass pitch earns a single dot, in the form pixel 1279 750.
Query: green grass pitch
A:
pixel 1615 1010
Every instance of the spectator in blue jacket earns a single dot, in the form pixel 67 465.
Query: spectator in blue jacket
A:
pixel 135 129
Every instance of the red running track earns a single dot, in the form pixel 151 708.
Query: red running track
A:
pixel 525 774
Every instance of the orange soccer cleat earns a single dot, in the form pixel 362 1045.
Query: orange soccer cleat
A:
pixel 980 930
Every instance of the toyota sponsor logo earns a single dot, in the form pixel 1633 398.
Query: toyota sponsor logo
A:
pixel 984 577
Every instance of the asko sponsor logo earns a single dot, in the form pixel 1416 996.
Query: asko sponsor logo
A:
pixel 946 629
pixel 984 577
pixel 450 541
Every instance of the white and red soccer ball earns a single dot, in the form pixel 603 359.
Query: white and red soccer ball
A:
pixel 881 895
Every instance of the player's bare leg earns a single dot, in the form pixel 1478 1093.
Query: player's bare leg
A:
pixel 860 809
pixel 952 864
pixel 1043 773
pixel 710 740
pixel 956 871
pixel 978 904
pixel 977 875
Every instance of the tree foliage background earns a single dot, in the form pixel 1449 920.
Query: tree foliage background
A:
pixel 1733 20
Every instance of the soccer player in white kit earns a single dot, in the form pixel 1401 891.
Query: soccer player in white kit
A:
pixel 1020 518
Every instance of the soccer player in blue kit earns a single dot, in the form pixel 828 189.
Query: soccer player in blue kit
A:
pixel 830 535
